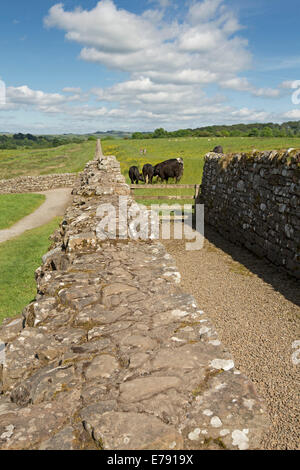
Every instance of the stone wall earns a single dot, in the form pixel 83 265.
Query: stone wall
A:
pixel 254 200
pixel 29 184
pixel 112 354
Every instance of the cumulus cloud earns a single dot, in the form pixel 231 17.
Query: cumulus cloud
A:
pixel 105 28
pixel 141 88
pixel 203 40
pixel 201 12
pixel 250 115
pixel 25 96
pixel 170 62
pixel 242 84
pixel 203 48
pixel 293 114
pixel 288 84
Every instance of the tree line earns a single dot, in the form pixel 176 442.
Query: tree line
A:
pixel 287 129
pixel 15 141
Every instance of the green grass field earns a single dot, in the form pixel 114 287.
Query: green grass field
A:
pixel 19 258
pixel 192 150
pixel 16 206
pixel 72 157
pixel 69 158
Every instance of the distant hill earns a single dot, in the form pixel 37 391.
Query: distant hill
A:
pixel 286 129
pixel 115 134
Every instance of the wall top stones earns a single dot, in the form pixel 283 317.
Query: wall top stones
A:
pixel 284 156
pixel 112 354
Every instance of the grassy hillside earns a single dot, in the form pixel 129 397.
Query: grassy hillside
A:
pixel 72 157
pixel 192 150
pixel 16 206
pixel 64 159
pixel 19 258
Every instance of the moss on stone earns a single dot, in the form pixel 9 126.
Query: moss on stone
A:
pixel 185 324
pixel 218 441
pixel 204 385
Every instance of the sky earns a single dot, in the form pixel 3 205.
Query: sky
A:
pixel 86 65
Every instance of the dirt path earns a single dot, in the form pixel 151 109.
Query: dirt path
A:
pixel 256 311
pixel 55 204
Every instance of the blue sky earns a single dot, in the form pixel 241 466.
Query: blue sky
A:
pixel 87 65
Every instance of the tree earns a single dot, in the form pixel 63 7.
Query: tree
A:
pixel 254 132
pixel 225 133
pixel 137 135
pixel 267 132
pixel 159 133
pixel 235 133
pixel 19 136
pixel 31 137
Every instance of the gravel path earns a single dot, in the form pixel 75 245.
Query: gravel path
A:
pixel 256 311
pixel 55 204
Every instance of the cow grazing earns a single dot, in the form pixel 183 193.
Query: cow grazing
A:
pixel 218 149
pixel 172 168
pixel 135 175
pixel 148 173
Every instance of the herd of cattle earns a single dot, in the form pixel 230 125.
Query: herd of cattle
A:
pixel 172 168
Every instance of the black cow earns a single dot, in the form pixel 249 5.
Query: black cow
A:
pixel 172 168
pixel 148 173
pixel 218 149
pixel 135 175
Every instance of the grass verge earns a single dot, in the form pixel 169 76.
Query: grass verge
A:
pixel 16 206
pixel 19 258
pixel 69 158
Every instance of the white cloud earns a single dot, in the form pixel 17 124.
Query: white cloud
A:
pixel 138 89
pixel 184 77
pixel 249 115
pixel 293 114
pixel 25 96
pixel 287 85
pixel 71 90
pixel 147 43
pixel 105 28
pixel 201 12
pixel 199 40
pixel 266 92
pixel 169 63
pixel 242 84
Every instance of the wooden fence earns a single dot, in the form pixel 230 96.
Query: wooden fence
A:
pixel 166 186
pixel 195 197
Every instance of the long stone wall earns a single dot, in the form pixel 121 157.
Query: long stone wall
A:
pixel 28 184
pixel 254 200
pixel 112 354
